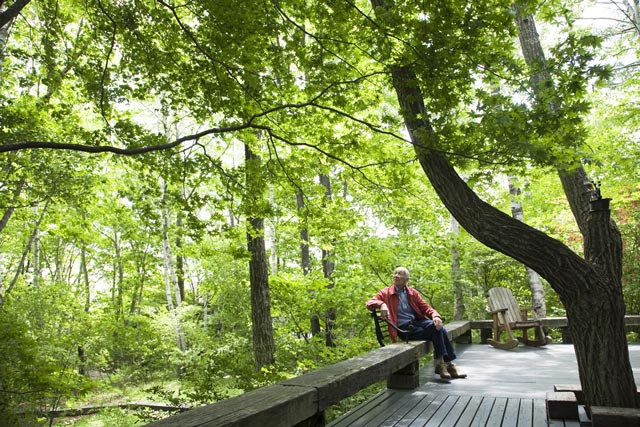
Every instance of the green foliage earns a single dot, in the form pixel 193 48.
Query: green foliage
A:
pixel 39 343
pixel 305 85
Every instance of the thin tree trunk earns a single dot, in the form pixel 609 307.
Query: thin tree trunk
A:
pixel 535 284
pixel 87 302
pixel 456 273
pixel 305 259
pixel 35 251
pixel 271 227
pixel 179 258
pixel 170 281
pixel 328 266
pixel 10 209
pixel 262 327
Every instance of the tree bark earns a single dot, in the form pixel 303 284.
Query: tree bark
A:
pixel 305 259
pixel 262 328
pixel 7 15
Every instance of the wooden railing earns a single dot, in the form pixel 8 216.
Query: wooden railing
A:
pixel 302 401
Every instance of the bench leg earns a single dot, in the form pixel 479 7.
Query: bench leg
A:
pixel 406 378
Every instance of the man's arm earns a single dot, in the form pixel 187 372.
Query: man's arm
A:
pixel 378 302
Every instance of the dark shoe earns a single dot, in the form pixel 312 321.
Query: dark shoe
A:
pixel 443 371
pixel 453 371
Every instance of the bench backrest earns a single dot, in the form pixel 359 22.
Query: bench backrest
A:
pixel 382 328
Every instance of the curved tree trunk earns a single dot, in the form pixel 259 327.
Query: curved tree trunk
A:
pixel 590 291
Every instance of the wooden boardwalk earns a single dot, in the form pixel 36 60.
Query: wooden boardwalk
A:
pixel 505 388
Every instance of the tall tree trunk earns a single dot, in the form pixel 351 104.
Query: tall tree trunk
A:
pixel 84 271
pixel 271 227
pixel 179 257
pixel 262 327
pixel 328 266
pixel 170 280
pixel 35 252
pixel 118 278
pixel 456 274
pixel 535 284
pixel 305 258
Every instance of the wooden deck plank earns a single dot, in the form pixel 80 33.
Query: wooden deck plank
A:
pixel 355 414
pixel 416 410
pixel 511 410
pixel 497 412
pixel 539 413
pixel 456 412
pixel 470 411
pixel 442 412
pixel 410 403
pixel 524 417
pixel 484 411
pixel 424 417
pixel 376 414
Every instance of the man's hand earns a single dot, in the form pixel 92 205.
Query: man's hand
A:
pixel 384 311
pixel 438 323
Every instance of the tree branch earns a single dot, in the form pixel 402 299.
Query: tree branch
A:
pixel 12 11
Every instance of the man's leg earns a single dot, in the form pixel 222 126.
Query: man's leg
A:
pixel 443 351
pixel 426 330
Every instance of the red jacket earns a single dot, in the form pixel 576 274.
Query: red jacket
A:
pixel 392 300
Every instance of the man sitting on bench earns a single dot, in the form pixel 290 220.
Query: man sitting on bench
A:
pixel 404 307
